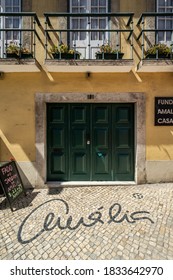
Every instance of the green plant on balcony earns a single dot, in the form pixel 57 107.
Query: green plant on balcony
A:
pixel 159 51
pixel 106 52
pixel 15 51
pixel 63 52
pixel 12 51
pixel 24 52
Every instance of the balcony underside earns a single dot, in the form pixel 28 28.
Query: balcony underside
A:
pixel 18 65
pixel 156 65
pixel 94 65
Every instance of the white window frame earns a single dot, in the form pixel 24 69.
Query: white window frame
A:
pixel 3 40
pixel 91 45
pixel 164 8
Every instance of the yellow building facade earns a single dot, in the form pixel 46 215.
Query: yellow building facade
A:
pixel 88 121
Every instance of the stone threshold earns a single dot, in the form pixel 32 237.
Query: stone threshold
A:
pixel 89 183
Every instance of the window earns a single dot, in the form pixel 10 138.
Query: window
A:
pixel 9 6
pixel 87 43
pixel 165 22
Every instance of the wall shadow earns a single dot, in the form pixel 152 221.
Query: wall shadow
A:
pixel 21 202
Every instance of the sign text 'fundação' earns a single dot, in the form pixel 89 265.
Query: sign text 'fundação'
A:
pixel 164 111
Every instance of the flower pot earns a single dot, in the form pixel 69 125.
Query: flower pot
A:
pixel 12 55
pixel 26 55
pixel 153 56
pixel 109 56
pixel 66 56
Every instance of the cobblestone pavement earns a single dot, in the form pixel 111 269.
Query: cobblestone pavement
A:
pixel 84 223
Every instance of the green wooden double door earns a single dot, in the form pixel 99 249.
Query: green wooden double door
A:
pixel 90 142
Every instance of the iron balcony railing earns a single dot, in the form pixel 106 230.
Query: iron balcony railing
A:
pixel 20 39
pixel 149 35
pixel 58 30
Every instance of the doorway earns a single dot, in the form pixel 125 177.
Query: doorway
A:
pixel 90 142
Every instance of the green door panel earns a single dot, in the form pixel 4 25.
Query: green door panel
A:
pixel 57 132
pixel 79 151
pixel 123 134
pixel 90 142
pixel 101 142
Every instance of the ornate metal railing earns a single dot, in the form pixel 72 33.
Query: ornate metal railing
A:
pixel 149 36
pixel 18 41
pixel 58 30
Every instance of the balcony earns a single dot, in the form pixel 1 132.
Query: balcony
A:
pixel 86 39
pixel 156 53
pixel 18 43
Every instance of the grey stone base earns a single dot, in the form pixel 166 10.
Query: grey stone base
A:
pixel 159 171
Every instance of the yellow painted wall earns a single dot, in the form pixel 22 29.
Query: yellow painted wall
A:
pixel 17 93
pixel 17 107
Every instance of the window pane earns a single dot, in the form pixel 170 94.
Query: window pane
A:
pixel 74 10
pixel 83 3
pixel 83 23
pixel 16 9
pixel 82 10
pixel 161 2
pixel 94 24
pixel 94 2
pixel 8 23
pixel 102 2
pixel 161 24
pixel 74 2
pixel 94 10
pixel 102 10
pixel 168 36
pixel 169 24
pixel 161 10
pixel 9 35
pixel 8 2
pixel 102 23
pixel 169 2
pixel 15 35
pixel 170 10
pixel 16 23
pixel 8 10
pixel 16 2
pixel 75 36
pixel 74 24
pixel 161 36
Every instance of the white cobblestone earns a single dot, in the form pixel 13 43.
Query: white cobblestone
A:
pixel 118 239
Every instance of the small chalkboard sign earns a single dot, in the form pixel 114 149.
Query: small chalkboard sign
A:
pixel 11 182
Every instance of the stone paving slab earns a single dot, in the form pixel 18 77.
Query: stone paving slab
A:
pixel 85 223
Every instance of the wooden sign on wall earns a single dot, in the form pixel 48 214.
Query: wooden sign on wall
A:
pixel 164 111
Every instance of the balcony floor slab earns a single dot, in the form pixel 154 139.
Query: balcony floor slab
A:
pixel 155 65
pixel 84 65
pixel 18 65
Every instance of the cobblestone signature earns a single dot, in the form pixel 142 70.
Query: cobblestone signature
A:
pixel 51 221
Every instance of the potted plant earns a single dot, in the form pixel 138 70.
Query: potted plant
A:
pixel 159 51
pixel 15 51
pixel 63 52
pixel 106 52
pixel 25 53
pixel 12 51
